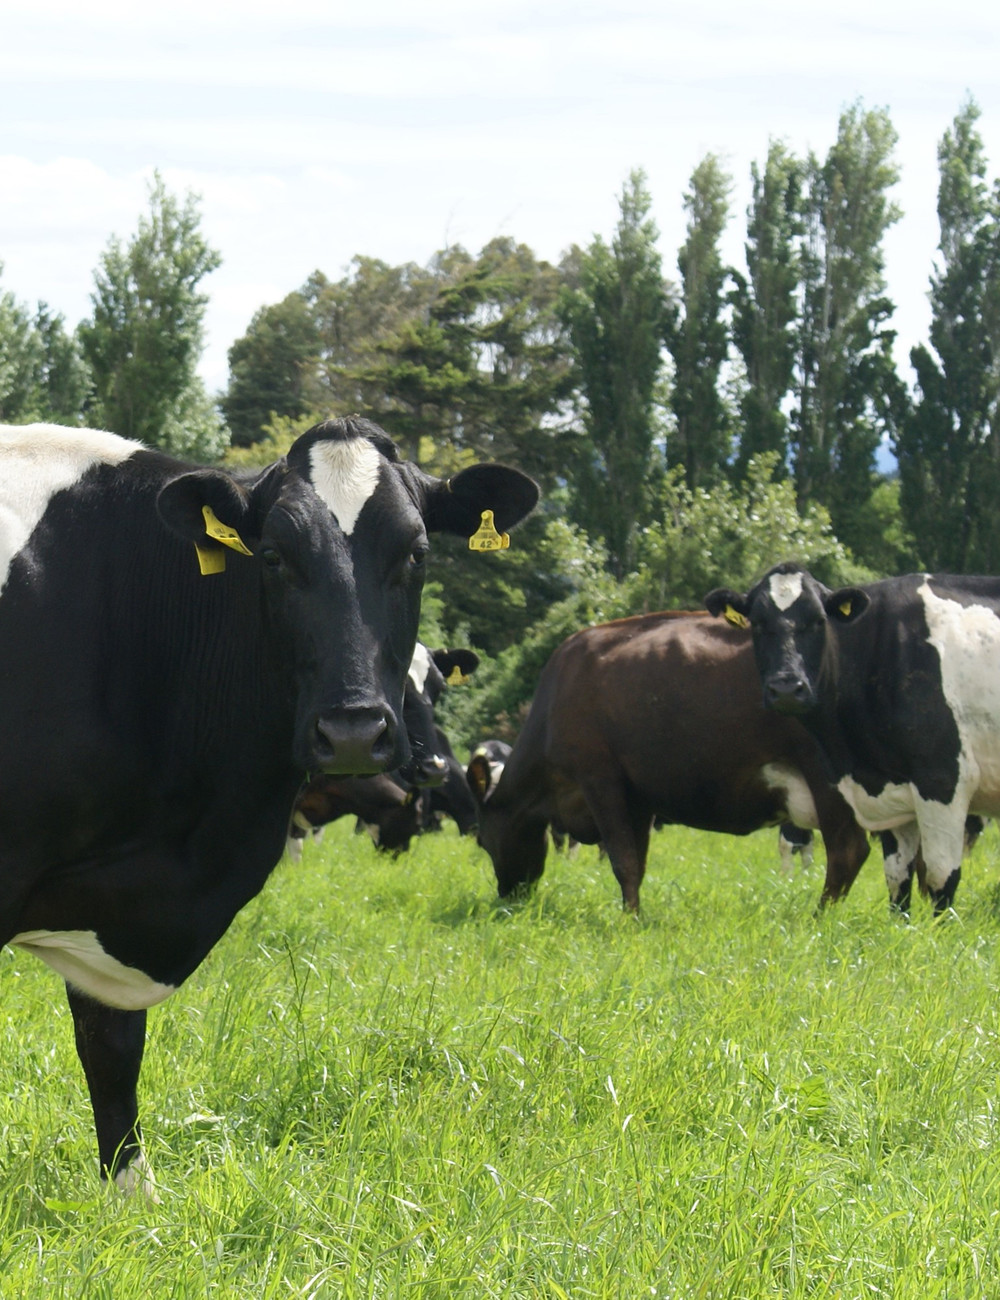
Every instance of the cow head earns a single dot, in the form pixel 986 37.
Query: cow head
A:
pixel 425 681
pixel 793 619
pixel 335 536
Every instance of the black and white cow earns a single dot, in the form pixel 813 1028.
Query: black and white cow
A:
pixel 160 707
pixel 898 680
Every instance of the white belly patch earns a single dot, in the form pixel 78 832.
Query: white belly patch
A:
pixel 798 796
pixel 79 958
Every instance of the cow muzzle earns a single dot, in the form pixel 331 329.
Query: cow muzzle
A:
pixel 355 742
pixel 788 693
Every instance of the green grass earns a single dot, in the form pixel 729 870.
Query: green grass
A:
pixel 383 1084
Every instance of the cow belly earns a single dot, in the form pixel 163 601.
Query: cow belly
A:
pixel 79 958
pixel 796 793
pixel 885 811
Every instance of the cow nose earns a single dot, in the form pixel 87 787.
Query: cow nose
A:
pixel 357 741
pixel 787 693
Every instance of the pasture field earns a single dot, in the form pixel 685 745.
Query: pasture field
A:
pixel 383 1084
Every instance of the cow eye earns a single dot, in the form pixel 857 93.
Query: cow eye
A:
pixel 271 557
pixel 418 556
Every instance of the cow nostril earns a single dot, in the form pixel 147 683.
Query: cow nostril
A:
pixel 355 741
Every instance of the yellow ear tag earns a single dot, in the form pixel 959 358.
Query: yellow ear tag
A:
pixel 456 677
pixel 735 617
pixel 845 609
pixel 209 559
pixel 221 532
pixel 486 537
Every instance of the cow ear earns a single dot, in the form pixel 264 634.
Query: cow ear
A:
pixel 452 662
pixel 457 506
pixel 209 509
pixel 846 605
pixel 478 776
pixel 734 607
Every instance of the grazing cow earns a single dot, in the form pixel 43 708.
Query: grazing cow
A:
pixel 654 717
pixel 898 682
pixel 161 707
pixel 389 811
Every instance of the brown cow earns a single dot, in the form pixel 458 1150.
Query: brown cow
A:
pixel 658 716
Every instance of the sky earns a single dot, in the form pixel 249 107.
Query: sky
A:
pixel 314 132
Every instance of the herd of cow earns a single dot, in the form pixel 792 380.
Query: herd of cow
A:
pixel 198 667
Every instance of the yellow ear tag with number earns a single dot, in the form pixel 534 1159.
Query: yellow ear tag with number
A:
pixel 486 537
pixel 456 677
pixel 735 617
pixel 209 559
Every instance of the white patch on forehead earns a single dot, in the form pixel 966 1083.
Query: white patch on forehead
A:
pixel 79 958
pixel 345 474
pixel 36 462
pixel 785 589
pixel 420 666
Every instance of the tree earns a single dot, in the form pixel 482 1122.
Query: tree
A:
pixel 146 334
pixel 765 307
pixel 616 319
pixel 42 374
pixel 730 534
pixel 848 394
pixel 272 369
pixel 480 368
pixel 949 446
pixel 698 336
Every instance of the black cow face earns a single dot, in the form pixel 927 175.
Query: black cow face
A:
pixel 336 537
pixel 791 616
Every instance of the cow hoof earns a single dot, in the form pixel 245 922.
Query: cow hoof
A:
pixel 137 1178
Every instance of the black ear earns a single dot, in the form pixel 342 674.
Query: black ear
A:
pixel 181 504
pixel 457 506
pixel 846 605
pixel 466 661
pixel 478 776
pixel 735 607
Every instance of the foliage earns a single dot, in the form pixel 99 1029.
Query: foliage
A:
pixel 848 394
pixel 381 1083
pixel 698 336
pixel 580 592
pixel 270 368
pixel 145 337
pixel 615 319
pixel 42 374
pixel 730 535
pixel 949 446
pixel 765 306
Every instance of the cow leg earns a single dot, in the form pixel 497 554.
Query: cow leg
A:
pixel 942 842
pixel 110 1044
pixel 625 836
pixel 900 849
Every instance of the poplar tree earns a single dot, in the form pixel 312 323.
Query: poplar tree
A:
pixel 697 334
pixel 766 308
pixel 949 447
pixel 616 322
pixel 847 392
